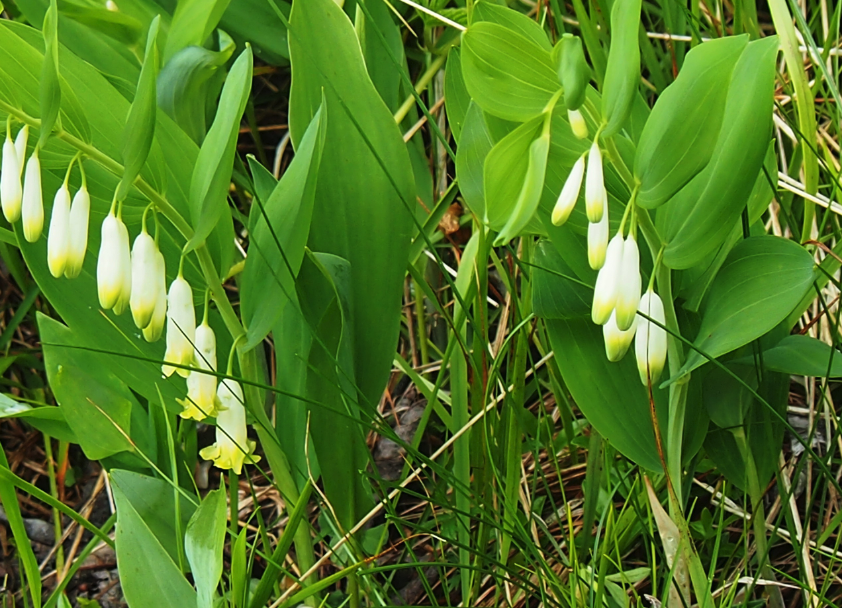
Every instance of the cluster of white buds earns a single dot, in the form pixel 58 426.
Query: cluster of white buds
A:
pixel 596 203
pixel 67 240
pixel 21 202
pixel 232 447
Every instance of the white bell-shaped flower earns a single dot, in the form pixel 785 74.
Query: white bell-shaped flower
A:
pixel 569 193
pixel 605 290
pixel 577 123
pixel 58 239
pixel 32 204
pixel 650 344
pixel 114 268
pixel 181 328
pixel 144 278
pixel 628 288
pixel 598 241
pixel 20 146
pixel 617 341
pixel 201 400
pixel 10 188
pixel 596 198
pixel 152 332
pixel 80 210
pixel 232 447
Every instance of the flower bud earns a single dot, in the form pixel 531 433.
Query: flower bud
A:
pixel 617 341
pixel 58 239
pixel 650 344
pixel 20 146
pixel 577 123
pixel 144 292
pixel 78 243
pixel 598 241
pixel 596 198
pixel 628 288
pixel 153 331
pixel 605 290
pixel 201 400
pixel 113 269
pixel 569 193
pixel 32 205
pixel 181 328
pixel 232 447
pixel 10 189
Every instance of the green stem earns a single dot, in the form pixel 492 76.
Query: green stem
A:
pixel 422 84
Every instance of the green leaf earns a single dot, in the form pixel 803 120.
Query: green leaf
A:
pixel 212 174
pixel 142 559
pixel 530 193
pixel 507 74
pixel 366 193
pixel 513 20
pixel 705 214
pixel 9 498
pixel 473 149
pixel 257 22
pixel 279 229
pixel 140 125
pixel 204 544
pixel 557 292
pixel 48 420
pixel 726 399
pixel 679 137
pixel 622 74
pixel 50 85
pixel 456 97
pixel 800 355
pixel 192 24
pixel 117 25
pixel 760 283
pixel 239 570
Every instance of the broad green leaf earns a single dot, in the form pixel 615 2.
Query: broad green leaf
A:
pixel 96 404
pixel 530 193
pixel 189 82
pixel 141 559
pixel 557 292
pixel 622 74
pixel 48 420
pixel 714 200
pixel 366 193
pixel 678 139
pixel 140 125
pixel 257 21
pixel 801 355
pixel 760 283
pixel 279 229
pixel 204 544
pixel 507 74
pixel 473 149
pixel 456 97
pixel 212 174
pixel 513 20
pixel 50 85
pixel 382 46
pixel 192 24
pixel 123 28
pixel 726 399
pixel 239 571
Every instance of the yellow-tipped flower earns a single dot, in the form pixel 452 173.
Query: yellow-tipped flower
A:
pixel 617 341
pixel 58 239
pixel 20 146
pixel 650 344
pixel 80 209
pixel 577 123
pixel 232 447
pixel 181 328
pixel 144 279
pixel 628 288
pixel 605 290
pixel 32 204
pixel 596 198
pixel 569 193
pixel 598 241
pixel 153 331
pixel 10 188
pixel 114 267
pixel 201 400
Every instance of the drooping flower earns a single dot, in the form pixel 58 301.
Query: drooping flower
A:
pixel 598 240
pixel 569 193
pixel 144 279
pixel 596 198
pixel 617 341
pixel 181 328
pixel 32 204
pixel 628 288
pixel 201 400
pixel 605 290
pixel 232 447
pixel 58 239
pixel 577 123
pixel 10 188
pixel 650 344
pixel 20 146
pixel 80 209
pixel 114 267
pixel 153 331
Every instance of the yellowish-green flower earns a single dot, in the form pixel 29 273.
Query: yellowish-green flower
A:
pixel 114 266
pixel 58 239
pixel 201 400
pixel 153 331
pixel 232 447
pixel 569 193
pixel 10 188
pixel 596 198
pixel 181 328
pixel 144 279
pixel 650 345
pixel 32 204
pixel 80 210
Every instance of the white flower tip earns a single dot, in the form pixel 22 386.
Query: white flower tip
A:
pixel 32 204
pixel 617 341
pixel 651 340
pixel 10 187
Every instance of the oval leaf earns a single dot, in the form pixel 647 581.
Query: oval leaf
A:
pixel 622 75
